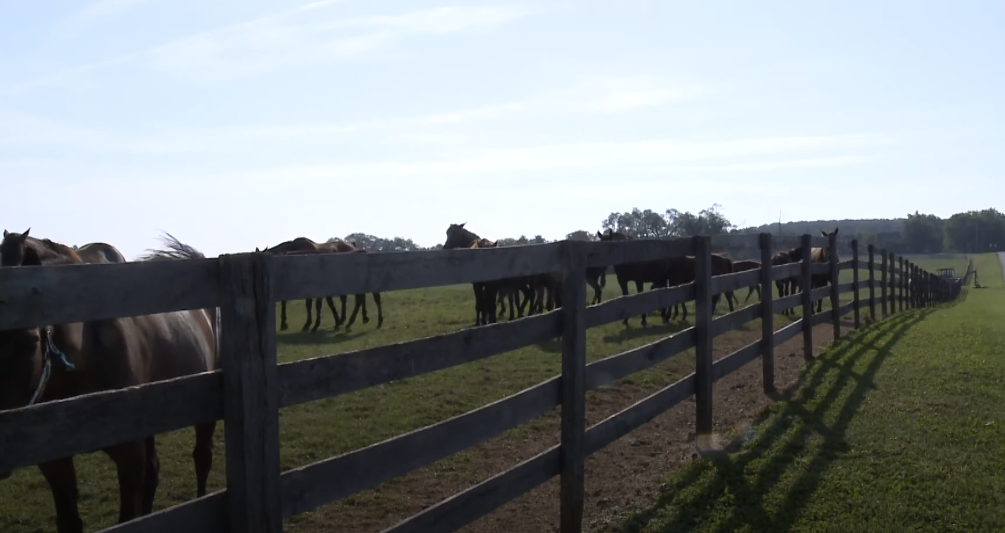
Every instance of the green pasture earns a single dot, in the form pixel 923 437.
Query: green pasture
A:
pixel 896 427
pixel 317 430
pixel 933 262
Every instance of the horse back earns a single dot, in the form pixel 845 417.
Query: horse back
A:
pixel 169 345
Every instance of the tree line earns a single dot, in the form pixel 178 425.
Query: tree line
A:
pixel 969 232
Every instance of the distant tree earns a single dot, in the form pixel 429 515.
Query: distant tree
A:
pixel 922 234
pixel 582 235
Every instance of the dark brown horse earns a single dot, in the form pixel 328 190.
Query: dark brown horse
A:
pixel 786 286
pixel 682 270
pixel 817 255
pixel 596 278
pixel 66 360
pixel 302 245
pixel 745 265
pixel 642 272
pixel 485 292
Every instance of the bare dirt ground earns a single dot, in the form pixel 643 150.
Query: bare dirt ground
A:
pixel 620 479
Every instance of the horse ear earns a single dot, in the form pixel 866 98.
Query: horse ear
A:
pixel 25 234
pixel 835 231
pixel 599 236
pixel 461 225
pixel 257 251
pixel 31 257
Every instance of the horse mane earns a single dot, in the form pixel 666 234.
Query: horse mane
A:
pixel 173 250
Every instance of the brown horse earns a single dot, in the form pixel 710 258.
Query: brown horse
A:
pixel 654 271
pixel 743 266
pixel 66 360
pixel 786 286
pixel 817 255
pixel 13 247
pixel 485 292
pixel 596 278
pixel 682 270
pixel 305 245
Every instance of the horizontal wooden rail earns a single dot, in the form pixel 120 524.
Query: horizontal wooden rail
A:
pixel 90 422
pixel 778 242
pixel 734 361
pixel 600 254
pixel 821 318
pixel 847 264
pixel 819 293
pixel 45 295
pixel 207 514
pixel 786 271
pixel 788 332
pixel 475 502
pixel 644 302
pixel 612 428
pixel 610 369
pixel 311 486
pixel 735 281
pixel 322 377
pixel 846 287
pixel 305 276
pixel 846 308
pixel 863 283
pixel 735 319
pixel 787 302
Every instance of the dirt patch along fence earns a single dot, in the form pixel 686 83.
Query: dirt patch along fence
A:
pixel 248 393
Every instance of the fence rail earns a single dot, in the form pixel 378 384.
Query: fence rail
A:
pixel 251 389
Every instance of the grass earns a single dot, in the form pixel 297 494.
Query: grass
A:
pixel 896 427
pixel 316 430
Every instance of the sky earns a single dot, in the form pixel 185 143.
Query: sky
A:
pixel 233 125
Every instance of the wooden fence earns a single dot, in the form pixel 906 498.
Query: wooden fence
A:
pixel 248 394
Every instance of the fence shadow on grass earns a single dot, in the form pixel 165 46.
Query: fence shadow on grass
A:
pixel 782 441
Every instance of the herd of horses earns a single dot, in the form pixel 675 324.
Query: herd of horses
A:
pixel 64 360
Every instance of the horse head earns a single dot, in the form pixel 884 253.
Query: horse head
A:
pixel 13 247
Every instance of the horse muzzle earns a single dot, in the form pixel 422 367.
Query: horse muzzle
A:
pixel 4 475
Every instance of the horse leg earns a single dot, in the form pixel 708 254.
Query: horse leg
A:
pixel 317 310
pixel 202 455
pixel 331 305
pixel 596 290
pixel 730 298
pixel 528 299
pixel 491 292
pixel 624 292
pixel 130 463
pixel 342 318
pixel 639 287
pixel 355 310
pixel 380 310
pixel 307 324
pixel 152 478
pixel 62 479
pixel 478 303
pixel 283 326
pixel 362 298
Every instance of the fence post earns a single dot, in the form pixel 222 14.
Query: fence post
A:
pixel 856 301
pixel 872 282
pixel 893 283
pixel 835 295
pixel 251 392
pixel 767 316
pixel 884 287
pixel 806 280
pixel 902 281
pixel 573 432
pixel 916 289
pixel 703 334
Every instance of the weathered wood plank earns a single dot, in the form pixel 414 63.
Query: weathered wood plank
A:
pixel 306 276
pixel 845 287
pixel 872 282
pixel 703 335
pixel 788 332
pixel 845 309
pixel 856 284
pixel 863 284
pixel 786 271
pixel 884 285
pixel 781 242
pixel 848 264
pixel 834 289
pixel 608 253
pixel 573 429
pixel 610 369
pixel 734 320
pixel 331 375
pixel 207 514
pixel 90 422
pixel 644 302
pixel 471 504
pixel 734 361
pixel 821 318
pixel 820 293
pixel 251 409
pixel 787 302
pixel 612 428
pixel 316 484
pixel 732 282
pixel 767 316
pixel 805 279
pixel 45 295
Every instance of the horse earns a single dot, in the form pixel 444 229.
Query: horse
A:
pixel 12 250
pixel 305 245
pixel 787 285
pixel 743 266
pixel 596 278
pixel 682 270
pixel 66 360
pixel 653 271
pixel 817 255
pixel 485 292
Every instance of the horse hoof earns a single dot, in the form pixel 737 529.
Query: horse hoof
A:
pixel 366 320
pixel 284 327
